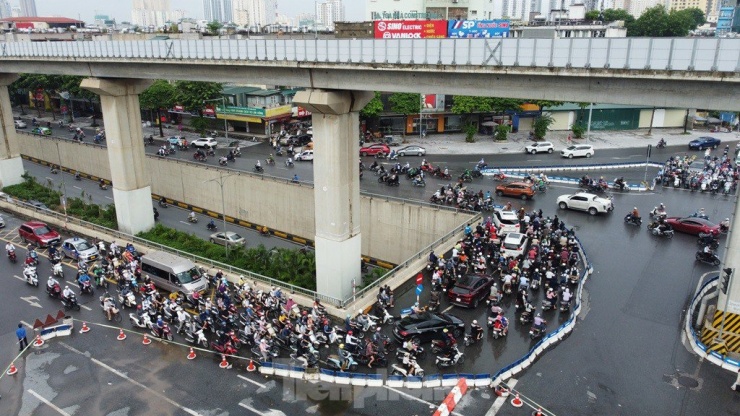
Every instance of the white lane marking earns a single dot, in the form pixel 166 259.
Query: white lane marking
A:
pixel 411 397
pixel 251 381
pixel 271 412
pixel 447 309
pixel 19 278
pixel 132 381
pixel 85 307
pixel 501 400
pixel 109 197
pixel 186 223
pixel 48 403
pixel 27 324
pixel 76 187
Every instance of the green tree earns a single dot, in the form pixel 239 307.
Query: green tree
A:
pixel 194 94
pixel 463 104
pixel 541 125
pixel 72 84
pixel 213 27
pixel 502 131
pixel 373 108
pixel 200 124
pixel 681 22
pixel 161 94
pixel 653 22
pixel 405 103
pixel 610 15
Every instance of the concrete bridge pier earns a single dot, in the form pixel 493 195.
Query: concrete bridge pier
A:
pixel 119 99
pixel 11 164
pixel 336 129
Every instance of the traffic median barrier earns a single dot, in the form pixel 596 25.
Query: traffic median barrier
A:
pixel 394 381
pixel 432 381
pixel 481 380
pixel 342 377
pixel 281 370
pixel 326 375
pixel 358 379
pixel 296 372
pixel 414 382
pixel 266 369
pixel 374 380
pixel 449 380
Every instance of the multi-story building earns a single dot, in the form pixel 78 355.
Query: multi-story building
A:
pixel 150 12
pixel 328 12
pixel 702 5
pixel 5 10
pixel 28 8
pixel 212 10
pixel 250 13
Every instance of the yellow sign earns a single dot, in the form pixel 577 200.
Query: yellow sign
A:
pixel 276 111
pixel 239 118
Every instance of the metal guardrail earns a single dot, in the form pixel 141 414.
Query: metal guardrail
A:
pixel 389 198
pixel 615 54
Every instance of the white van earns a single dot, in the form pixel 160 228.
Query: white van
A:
pixel 173 273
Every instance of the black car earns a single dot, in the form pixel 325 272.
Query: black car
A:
pixel 300 140
pixel 428 326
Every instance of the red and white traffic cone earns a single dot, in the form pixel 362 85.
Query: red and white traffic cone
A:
pixel 516 401
pixel 537 412
pixel 191 355
pixel 121 336
pixel 39 342
pixel 224 363
pixel 146 340
pixel 251 366
pixel 501 391
pixel 12 370
pixel 85 329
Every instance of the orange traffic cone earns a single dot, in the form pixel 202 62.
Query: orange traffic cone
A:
pixel 516 401
pixel 39 342
pixel 121 336
pixel 224 363
pixel 251 366
pixel 146 340
pixel 12 370
pixel 191 355
pixel 85 329
pixel 537 412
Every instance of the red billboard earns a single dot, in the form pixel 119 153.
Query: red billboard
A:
pixel 410 29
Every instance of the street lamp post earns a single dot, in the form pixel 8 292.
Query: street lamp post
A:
pixel 220 182
pixel 64 185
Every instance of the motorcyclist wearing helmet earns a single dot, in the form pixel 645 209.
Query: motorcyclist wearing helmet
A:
pixel 362 319
pixel 450 343
pixel 539 323
pixel 67 293
pixel 635 214
pixel 351 341
pixel 109 305
pixel 476 332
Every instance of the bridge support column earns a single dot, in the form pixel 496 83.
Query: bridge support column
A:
pixel 721 332
pixel 11 164
pixel 336 186
pixel 119 99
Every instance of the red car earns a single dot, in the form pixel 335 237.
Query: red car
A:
pixel 38 233
pixel 470 290
pixel 375 149
pixel 693 225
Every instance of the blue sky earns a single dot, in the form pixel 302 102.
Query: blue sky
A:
pixel 121 9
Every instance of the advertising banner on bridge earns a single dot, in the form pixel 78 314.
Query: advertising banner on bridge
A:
pixel 478 28
pixel 410 29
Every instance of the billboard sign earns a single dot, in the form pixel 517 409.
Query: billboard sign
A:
pixel 410 29
pixel 478 28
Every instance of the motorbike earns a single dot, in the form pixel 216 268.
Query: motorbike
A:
pixel 709 258
pixel 162 203
pixel 564 306
pixel 211 227
pixel 226 349
pixel 32 278
pixel 196 337
pixel 657 213
pixel 661 144
pixel 468 340
pixel 399 370
pixel 200 157
pixel 54 291
pixel 259 169
pixel 103 186
pixel 194 220
pixel 526 316
pixel 70 303
pixel 223 161
pixel 58 271
pixel 86 287
pixel 126 298
pixel 419 182
pixel 498 332
pixel 12 256
pixel 535 332
pixel 629 219
pixel 140 322
pixel 418 354
pixel 289 164
pixel 710 241
pixel 335 361
pixel 622 187
pixel 164 332
pixel 445 361
pixel 656 230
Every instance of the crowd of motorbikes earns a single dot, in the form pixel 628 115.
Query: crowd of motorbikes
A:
pixel 716 176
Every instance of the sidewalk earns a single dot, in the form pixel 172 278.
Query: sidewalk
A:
pixel 455 144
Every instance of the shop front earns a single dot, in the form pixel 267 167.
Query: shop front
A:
pixel 254 120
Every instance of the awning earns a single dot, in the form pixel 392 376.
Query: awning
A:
pixel 712 120
pixel 285 116
pixel 233 117
pixel 489 124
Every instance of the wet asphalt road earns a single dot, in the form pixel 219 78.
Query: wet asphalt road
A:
pixel 625 356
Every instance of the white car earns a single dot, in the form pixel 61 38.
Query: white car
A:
pixel 506 222
pixel 306 155
pixel 540 147
pixel 584 201
pixel 209 142
pixel 20 124
pixel 577 150
pixel 515 244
